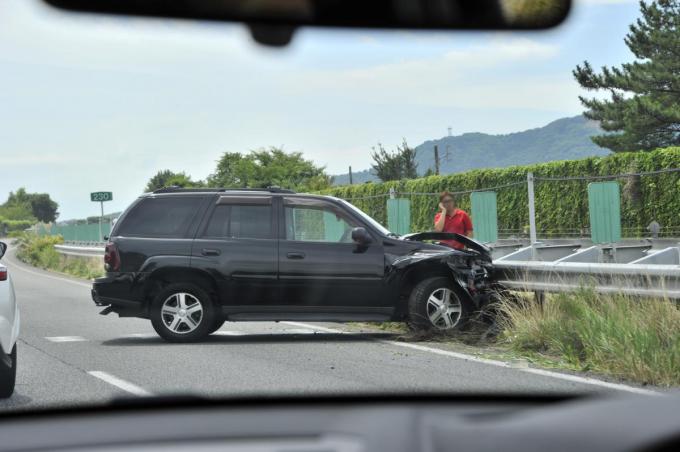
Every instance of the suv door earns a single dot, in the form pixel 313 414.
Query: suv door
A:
pixel 320 265
pixel 236 243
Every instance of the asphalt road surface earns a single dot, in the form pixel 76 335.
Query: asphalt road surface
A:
pixel 70 355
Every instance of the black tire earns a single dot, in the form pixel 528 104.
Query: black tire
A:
pixel 8 374
pixel 418 306
pixel 190 327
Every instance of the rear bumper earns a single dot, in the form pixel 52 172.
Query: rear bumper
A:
pixel 114 292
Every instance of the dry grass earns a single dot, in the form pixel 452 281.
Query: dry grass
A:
pixel 628 338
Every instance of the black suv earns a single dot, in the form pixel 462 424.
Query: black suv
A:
pixel 189 259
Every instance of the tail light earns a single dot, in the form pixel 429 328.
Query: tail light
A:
pixel 111 258
pixel 3 274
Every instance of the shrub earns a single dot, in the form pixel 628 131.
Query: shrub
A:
pixel 39 251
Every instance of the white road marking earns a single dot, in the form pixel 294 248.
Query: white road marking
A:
pixel 229 333
pixel 299 331
pixel 120 384
pixel 66 338
pixel 491 362
pixel 309 326
pixel 141 335
pixel 16 266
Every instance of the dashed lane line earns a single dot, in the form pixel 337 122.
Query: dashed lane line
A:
pixel 66 338
pixel 120 383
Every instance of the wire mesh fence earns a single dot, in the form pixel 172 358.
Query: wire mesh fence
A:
pixel 561 204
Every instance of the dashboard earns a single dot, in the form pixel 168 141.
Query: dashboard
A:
pixel 357 424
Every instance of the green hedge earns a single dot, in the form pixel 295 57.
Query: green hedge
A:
pixel 14 225
pixel 561 207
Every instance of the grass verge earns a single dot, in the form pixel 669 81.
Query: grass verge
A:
pixel 39 251
pixel 615 335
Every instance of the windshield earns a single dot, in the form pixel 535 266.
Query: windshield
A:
pixel 231 270
pixel 367 218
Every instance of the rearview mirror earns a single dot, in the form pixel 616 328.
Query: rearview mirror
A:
pixel 361 236
pixel 273 22
pixel 3 249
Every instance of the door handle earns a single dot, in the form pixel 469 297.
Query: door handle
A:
pixel 210 252
pixel 295 255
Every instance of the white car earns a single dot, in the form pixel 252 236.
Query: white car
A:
pixel 9 330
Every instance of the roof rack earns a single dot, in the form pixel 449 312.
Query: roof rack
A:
pixel 176 189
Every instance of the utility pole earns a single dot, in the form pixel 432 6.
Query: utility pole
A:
pixel 436 160
pixel 350 174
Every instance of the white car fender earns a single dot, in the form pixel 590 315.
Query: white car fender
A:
pixel 9 314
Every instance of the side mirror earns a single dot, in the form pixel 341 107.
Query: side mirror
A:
pixel 3 249
pixel 361 236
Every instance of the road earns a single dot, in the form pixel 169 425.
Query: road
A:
pixel 71 355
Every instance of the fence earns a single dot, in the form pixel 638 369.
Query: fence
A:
pixel 649 188
pixel 77 232
pixel 607 207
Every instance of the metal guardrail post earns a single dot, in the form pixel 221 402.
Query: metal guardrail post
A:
pixel 532 207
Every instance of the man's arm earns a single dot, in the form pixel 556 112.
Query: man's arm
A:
pixel 439 221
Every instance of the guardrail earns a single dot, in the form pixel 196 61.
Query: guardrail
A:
pixel 632 269
pixel 90 249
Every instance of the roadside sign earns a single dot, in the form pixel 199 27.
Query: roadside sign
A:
pixel 101 196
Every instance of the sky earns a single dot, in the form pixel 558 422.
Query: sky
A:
pixel 92 103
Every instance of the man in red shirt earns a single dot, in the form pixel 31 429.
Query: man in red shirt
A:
pixel 452 219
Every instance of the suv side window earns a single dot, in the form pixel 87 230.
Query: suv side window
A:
pixel 314 220
pixel 240 221
pixel 168 217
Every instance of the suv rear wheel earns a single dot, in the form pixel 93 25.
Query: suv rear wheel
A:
pixel 182 312
pixel 436 305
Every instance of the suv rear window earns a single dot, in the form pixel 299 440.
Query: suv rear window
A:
pixel 160 217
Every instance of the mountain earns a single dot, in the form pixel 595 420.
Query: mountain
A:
pixel 563 139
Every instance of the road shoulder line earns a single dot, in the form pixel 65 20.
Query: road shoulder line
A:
pixel 22 267
pixel 491 362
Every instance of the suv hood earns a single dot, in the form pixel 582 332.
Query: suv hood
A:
pixel 467 241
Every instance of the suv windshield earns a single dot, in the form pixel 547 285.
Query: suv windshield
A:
pixel 367 218
pixel 189 210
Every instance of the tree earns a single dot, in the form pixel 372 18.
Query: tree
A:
pixel 264 168
pixel 396 165
pixel 44 208
pixel 644 104
pixel 167 178
pixel 21 205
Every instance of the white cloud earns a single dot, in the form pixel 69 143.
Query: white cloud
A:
pixel 461 78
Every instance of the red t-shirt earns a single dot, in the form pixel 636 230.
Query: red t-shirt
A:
pixel 459 223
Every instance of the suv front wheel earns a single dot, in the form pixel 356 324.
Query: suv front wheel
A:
pixel 436 304
pixel 182 312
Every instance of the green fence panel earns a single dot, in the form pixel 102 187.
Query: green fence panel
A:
pixel 78 232
pixel 484 216
pixel 604 204
pixel 334 228
pixel 399 216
